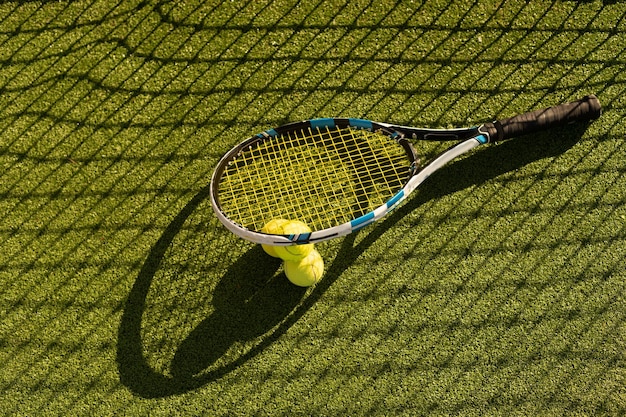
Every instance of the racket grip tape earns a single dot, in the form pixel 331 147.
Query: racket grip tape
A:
pixel 585 109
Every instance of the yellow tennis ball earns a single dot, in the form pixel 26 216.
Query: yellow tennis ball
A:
pixel 273 227
pixel 293 252
pixel 306 271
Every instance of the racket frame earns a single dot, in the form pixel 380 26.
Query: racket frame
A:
pixel 470 139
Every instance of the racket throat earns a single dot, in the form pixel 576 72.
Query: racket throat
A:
pixel 452 153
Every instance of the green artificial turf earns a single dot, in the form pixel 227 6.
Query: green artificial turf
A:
pixel 497 289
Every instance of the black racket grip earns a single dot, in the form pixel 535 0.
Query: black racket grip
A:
pixel 587 108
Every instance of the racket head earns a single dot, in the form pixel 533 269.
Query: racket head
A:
pixel 336 175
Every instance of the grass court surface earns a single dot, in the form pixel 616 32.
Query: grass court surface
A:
pixel 499 289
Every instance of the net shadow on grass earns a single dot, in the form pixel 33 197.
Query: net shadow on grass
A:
pixel 124 77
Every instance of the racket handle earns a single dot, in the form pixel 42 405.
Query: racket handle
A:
pixel 587 108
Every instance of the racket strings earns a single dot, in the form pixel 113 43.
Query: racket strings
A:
pixel 324 177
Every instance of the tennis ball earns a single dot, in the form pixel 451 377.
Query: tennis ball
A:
pixel 293 252
pixel 273 227
pixel 307 271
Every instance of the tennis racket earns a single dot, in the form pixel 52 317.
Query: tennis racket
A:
pixel 339 175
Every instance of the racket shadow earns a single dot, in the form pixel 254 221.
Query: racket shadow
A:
pixel 265 307
pixel 248 301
